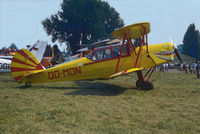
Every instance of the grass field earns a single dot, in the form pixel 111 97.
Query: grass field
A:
pixel 112 106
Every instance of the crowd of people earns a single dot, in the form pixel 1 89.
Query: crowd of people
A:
pixel 193 67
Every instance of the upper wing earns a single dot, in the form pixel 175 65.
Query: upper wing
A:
pixel 125 72
pixel 133 31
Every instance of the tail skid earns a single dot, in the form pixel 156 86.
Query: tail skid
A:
pixel 24 63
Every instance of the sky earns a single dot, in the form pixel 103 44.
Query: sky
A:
pixel 20 20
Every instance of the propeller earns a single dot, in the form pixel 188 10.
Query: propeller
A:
pixel 176 51
pixel 177 54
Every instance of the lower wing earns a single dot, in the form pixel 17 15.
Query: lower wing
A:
pixel 124 72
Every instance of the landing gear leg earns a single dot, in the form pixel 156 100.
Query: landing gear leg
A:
pixel 142 83
pixel 27 84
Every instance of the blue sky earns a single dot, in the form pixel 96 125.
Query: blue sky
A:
pixel 20 20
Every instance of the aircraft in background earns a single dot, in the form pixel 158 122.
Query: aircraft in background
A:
pixel 38 50
pixel 131 54
pixel 5 63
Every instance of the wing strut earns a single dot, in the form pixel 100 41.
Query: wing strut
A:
pixel 137 32
pixel 132 46
pixel 122 46
pixel 144 42
pixel 149 71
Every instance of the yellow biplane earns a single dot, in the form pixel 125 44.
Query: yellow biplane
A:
pixel 131 54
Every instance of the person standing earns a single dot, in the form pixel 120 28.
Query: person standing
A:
pixel 186 68
pixel 198 70
pixel 167 67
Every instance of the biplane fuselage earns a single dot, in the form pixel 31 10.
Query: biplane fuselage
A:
pixel 87 68
pixel 131 54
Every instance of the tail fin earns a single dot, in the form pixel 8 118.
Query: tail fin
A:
pixel 23 63
pixel 38 49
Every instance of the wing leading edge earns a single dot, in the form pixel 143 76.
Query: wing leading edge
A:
pixel 133 31
pixel 125 72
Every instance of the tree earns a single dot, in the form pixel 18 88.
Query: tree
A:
pixel 191 42
pixel 56 50
pixel 48 51
pixel 94 19
pixel 58 57
pixel 13 46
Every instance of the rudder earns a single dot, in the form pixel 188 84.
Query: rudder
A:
pixel 23 63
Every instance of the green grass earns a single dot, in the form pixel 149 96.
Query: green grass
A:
pixel 112 106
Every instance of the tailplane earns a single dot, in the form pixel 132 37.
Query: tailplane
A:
pixel 24 63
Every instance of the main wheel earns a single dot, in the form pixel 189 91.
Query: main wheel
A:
pixel 147 85
pixel 144 85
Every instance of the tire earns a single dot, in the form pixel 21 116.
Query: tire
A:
pixel 148 85
pixel 144 85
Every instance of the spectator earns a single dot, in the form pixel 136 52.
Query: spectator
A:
pixel 185 67
pixel 198 70
pixel 190 68
pixel 166 67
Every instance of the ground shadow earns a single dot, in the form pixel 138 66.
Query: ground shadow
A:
pixel 85 88
pixel 45 87
pixel 97 88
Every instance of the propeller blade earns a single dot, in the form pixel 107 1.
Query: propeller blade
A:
pixel 177 54
pixel 171 40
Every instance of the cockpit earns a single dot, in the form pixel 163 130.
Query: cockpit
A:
pixel 108 52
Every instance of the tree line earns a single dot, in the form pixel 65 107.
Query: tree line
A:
pixel 191 42
pixel 13 46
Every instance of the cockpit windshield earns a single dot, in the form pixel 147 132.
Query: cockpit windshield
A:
pixel 91 56
pixel 108 52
